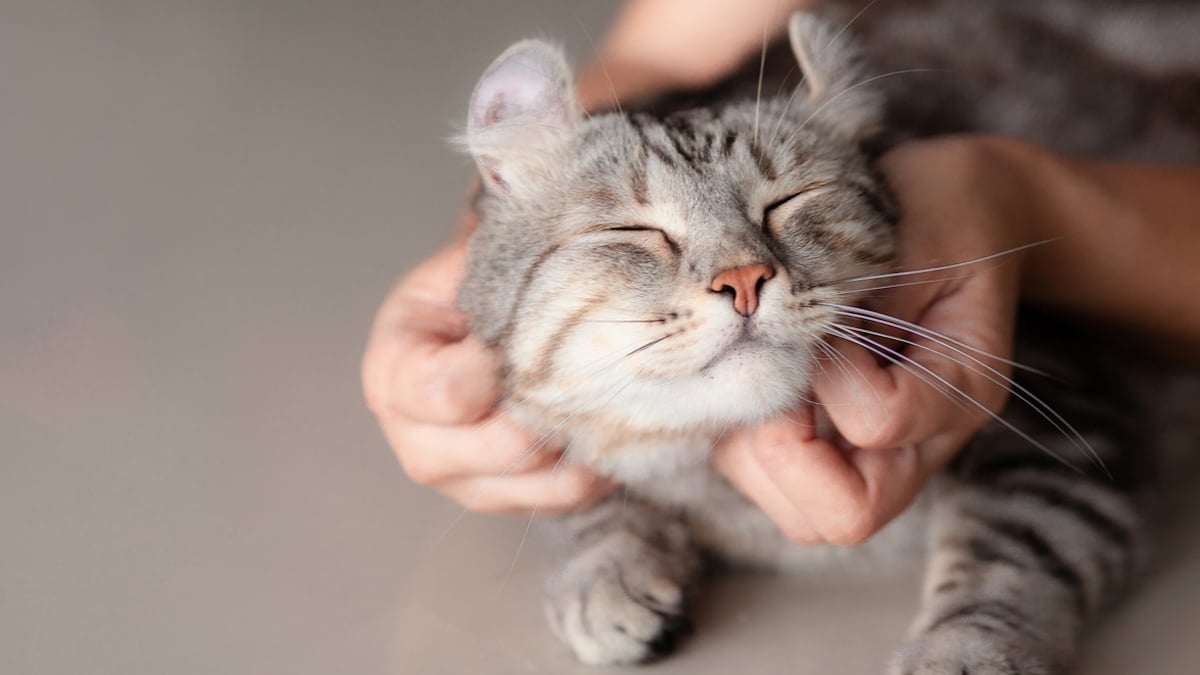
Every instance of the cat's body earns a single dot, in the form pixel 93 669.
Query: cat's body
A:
pixel 654 280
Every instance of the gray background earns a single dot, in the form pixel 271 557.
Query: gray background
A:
pixel 201 205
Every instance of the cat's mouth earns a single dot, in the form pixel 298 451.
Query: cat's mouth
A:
pixel 747 340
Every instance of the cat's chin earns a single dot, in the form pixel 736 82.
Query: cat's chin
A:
pixel 751 383
pixel 659 428
pixel 746 385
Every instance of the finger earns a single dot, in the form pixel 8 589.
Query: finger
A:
pixel 846 495
pixel 433 454
pixel 417 374
pixel 736 461
pixel 550 491
pixel 438 382
pixel 420 361
pixel 933 383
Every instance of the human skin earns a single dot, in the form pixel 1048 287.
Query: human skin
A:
pixel 433 386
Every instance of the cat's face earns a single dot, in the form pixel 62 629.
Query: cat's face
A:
pixel 667 272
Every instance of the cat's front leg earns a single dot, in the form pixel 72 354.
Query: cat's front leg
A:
pixel 1018 565
pixel 619 596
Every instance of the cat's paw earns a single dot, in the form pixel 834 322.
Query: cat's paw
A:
pixel 963 650
pixel 619 611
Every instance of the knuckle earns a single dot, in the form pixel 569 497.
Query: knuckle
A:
pixel 451 398
pixel 419 468
pixel 854 528
pixel 876 432
pixel 799 531
pixel 377 399
pixel 380 391
pixel 773 446
pixel 447 399
pixel 573 488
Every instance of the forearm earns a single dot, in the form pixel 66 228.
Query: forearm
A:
pixel 659 45
pixel 1127 244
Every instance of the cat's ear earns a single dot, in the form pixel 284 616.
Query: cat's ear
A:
pixel 521 111
pixel 835 77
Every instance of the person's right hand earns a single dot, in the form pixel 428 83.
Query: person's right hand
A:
pixel 433 388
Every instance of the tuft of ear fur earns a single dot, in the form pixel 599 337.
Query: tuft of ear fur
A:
pixel 521 110
pixel 835 76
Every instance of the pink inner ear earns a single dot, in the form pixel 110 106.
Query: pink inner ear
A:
pixel 515 87
pixel 495 110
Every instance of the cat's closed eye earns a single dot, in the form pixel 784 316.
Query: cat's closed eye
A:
pixel 639 228
pixel 771 208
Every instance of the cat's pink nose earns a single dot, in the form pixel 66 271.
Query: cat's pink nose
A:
pixel 744 284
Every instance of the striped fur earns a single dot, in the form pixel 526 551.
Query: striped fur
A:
pixel 592 273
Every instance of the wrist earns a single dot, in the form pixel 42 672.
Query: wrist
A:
pixel 967 197
pixel 1030 196
pixel 1072 208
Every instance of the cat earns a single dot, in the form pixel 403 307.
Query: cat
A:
pixel 655 279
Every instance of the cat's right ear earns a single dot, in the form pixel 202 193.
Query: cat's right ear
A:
pixel 521 110
pixel 835 71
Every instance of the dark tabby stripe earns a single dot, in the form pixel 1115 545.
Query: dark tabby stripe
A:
pixel 1060 498
pixel 661 153
pixel 994 610
pixel 730 139
pixel 1048 558
pixel 985 551
pixel 639 182
pixel 691 159
pixel 605 197
pixel 710 145
pixel 543 369
pixel 526 280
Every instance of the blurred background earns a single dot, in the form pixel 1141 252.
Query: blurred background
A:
pixel 201 206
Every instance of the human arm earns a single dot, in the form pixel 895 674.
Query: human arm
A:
pixel 663 45
pixel 1128 250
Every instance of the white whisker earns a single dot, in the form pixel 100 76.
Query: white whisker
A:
pixel 849 23
pixel 938 268
pixel 762 66
pixel 1018 390
pixel 944 388
pixel 896 356
pixel 847 90
pixel 600 61
pixel 840 359
pixel 929 334
pixel 853 291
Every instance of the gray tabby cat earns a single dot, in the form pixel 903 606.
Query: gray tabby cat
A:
pixel 653 281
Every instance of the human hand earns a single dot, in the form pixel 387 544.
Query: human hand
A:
pixel 432 387
pixel 962 199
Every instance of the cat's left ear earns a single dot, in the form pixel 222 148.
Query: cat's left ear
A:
pixel 520 113
pixel 836 78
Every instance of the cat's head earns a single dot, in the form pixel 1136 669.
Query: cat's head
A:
pixel 667 274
